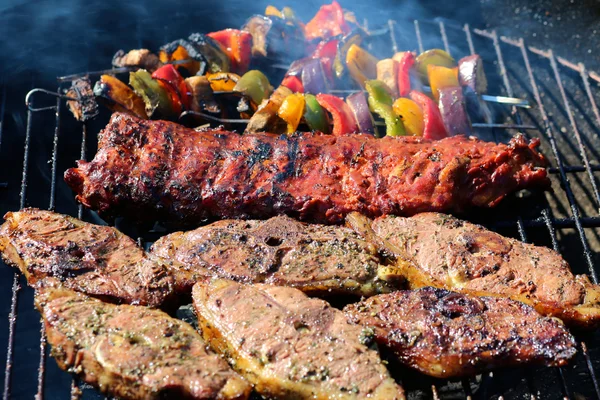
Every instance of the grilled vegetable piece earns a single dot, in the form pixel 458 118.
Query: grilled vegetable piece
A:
pixel 173 82
pixel 440 78
pixel 289 345
pixel 140 58
pixel 202 94
pixel 265 119
pixel 432 57
pixel 448 334
pixel 314 80
pixel 328 22
pixel 223 81
pixel 238 46
pixel 380 102
pixel 453 110
pixel 215 56
pixel 405 60
pixel 362 66
pixel 471 74
pixel 119 97
pixel 343 118
pixel 96 260
pixel 387 72
pixel 157 170
pixel 133 352
pixel 273 36
pixel 433 125
pixel 182 50
pixel 456 255
pixel 157 101
pixel 292 110
pixel 315 115
pixel 293 83
pixel 255 85
pixel 411 115
pixel 360 108
pixel 339 63
pixel 85 107
pixel 317 259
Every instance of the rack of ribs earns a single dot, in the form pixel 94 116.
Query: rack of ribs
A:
pixel 161 171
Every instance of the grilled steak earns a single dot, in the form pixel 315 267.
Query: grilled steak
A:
pixel 96 260
pixel 151 170
pixel 447 334
pixel 281 251
pixel 445 252
pixel 133 352
pixel 289 345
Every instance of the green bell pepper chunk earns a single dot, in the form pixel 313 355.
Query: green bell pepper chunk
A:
pixel 314 115
pixel 158 103
pixel 380 102
pixel 255 85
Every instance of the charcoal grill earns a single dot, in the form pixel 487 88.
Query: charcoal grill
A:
pixel 564 116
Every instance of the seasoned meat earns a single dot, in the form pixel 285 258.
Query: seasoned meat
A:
pixel 133 352
pixel 157 170
pixel 449 253
pixel 281 251
pixel 447 334
pixel 289 345
pixel 96 260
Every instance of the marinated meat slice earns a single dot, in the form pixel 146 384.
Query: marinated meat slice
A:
pixel 456 255
pixel 158 170
pixel 447 334
pixel 289 345
pixel 96 260
pixel 133 352
pixel 314 258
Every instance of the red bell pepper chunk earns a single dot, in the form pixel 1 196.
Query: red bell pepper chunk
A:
pixel 344 121
pixel 326 49
pixel 404 67
pixel 328 22
pixel 433 125
pixel 293 83
pixel 238 46
pixel 175 85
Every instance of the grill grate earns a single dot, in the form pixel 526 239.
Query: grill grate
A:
pixel 555 214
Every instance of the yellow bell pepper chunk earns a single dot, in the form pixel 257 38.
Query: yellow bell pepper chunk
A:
pixel 361 65
pixel 273 11
pixel 222 81
pixel 411 115
pixel 291 111
pixel 441 77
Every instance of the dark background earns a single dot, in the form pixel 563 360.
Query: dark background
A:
pixel 45 39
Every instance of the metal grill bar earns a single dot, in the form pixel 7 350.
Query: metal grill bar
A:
pixel 12 319
pixel 54 153
pixel 520 43
pixel 444 37
pixel 419 39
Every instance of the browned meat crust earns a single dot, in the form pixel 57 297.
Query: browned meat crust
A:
pixel 289 345
pixel 446 252
pixel 314 258
pixel 151 170
pixel 133 352
pixel 447 334
pixel 96 260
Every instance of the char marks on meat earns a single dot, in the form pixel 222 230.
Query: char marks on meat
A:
pixel 456 255
pixel 133 352
pixel 447 334
pixel 160 170
pixel 289 345
pixel 97 260
pixel 318 259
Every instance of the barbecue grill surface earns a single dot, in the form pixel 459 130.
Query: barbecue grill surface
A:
pixel 45 143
